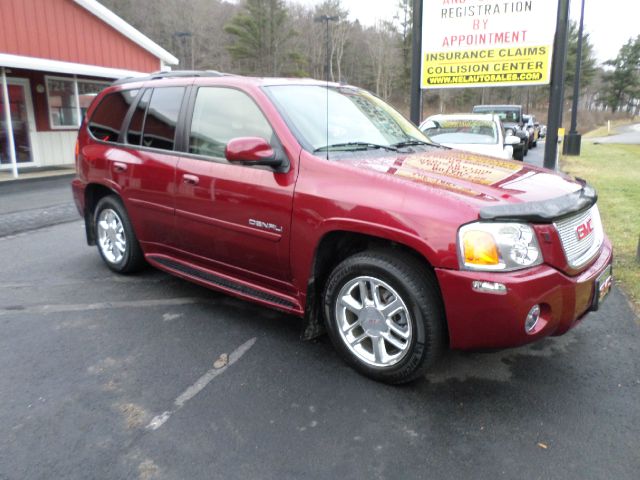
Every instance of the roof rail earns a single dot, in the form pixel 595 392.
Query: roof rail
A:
pixel 171 74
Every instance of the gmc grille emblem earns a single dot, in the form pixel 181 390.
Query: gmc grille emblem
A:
pixel 584 229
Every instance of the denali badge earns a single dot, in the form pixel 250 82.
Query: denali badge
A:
pixel 265 225
pixel 584 230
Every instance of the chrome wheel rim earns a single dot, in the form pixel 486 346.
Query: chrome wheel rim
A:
pixel 373 321
pixel 111 237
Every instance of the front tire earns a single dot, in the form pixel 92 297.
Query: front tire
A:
pixel 384 315
pixel 116 241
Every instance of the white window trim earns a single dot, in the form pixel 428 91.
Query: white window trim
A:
pixel 74 80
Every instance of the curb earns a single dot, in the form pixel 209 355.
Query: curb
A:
pixel 29 180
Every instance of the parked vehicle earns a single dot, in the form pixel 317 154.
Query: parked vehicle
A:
pixel 346 216
pixel 533 129
pixel 478 133
pixel 511 117
pixel 543 131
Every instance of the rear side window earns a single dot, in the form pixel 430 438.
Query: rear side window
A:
pixel 221 114
pixel 134 133
pixel 162 117
pixel 108 116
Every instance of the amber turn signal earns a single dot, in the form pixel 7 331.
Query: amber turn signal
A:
pixel 480 248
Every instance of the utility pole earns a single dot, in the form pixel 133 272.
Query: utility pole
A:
pixel 416 62
pixel 182 37
pixel 556 96
pixel 327 19
pixel 572 141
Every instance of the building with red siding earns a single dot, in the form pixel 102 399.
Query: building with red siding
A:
pixel 55 56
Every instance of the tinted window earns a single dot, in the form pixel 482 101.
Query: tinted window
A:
pixel 134 133
pixel 107 118
pixel 221 114
pixel 162 116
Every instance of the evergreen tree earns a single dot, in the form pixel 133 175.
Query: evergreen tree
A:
pixel 587 66
pixel 261 37
pixel 623 82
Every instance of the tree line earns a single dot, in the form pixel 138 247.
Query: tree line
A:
pixel 278 38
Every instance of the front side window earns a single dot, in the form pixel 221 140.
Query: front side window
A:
pixel 106 121
pixel 221 114
pixel 352 117
pixel 162 117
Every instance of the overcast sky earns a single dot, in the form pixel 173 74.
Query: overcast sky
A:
pixel 610 23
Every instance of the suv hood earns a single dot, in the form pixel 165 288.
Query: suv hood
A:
pixel 497 188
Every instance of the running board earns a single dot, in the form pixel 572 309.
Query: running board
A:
pixel 224 283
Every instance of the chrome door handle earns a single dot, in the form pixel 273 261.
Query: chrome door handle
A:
pixel 190 179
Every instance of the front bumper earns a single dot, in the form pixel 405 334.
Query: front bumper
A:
pixel 488 320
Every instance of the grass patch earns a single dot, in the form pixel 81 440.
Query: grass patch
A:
pixel 602 131
pixel 614 170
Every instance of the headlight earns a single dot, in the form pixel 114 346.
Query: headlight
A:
pixel 498 246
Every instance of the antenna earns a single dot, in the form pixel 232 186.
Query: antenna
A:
pixel 327 19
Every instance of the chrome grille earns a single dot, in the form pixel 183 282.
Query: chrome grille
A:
pixel 580 251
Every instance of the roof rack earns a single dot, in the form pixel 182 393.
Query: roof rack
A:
pixel 171 74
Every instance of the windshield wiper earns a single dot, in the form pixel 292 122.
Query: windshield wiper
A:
pixel 356 146
pixel 411 143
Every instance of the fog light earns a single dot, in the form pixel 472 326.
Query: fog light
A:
pixel 532 319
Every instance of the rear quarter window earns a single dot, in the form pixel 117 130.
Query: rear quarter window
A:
pixel 107 118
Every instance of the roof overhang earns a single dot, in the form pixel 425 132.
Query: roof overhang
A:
pixel 110 18
pixel 56 66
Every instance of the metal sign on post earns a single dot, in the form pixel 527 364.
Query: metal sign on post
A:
pixel 480 43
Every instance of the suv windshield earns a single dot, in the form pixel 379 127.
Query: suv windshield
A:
pixel 358 120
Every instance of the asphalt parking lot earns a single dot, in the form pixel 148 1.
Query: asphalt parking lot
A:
pixel 151 377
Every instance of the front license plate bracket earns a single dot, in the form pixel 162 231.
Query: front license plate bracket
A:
pixel 602 287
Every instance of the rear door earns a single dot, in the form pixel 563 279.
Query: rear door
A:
pixel 147 164
pixel 229 217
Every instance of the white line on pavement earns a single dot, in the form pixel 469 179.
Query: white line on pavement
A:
pixel 162 302
pixel 197 387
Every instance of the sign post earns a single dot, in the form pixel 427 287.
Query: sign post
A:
pixel 416 62
pixel 556 96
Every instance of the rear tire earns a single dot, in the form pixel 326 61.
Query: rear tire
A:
pixel 384 315
pixel 116 241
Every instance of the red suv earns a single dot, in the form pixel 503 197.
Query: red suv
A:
pixel 324 202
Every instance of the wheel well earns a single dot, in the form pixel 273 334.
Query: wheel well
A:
pixel 92 195
pixel 333 249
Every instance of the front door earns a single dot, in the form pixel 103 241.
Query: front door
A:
pixel 237 217
pixel 21 110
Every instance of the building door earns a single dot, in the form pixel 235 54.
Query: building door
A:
pixel 22 121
